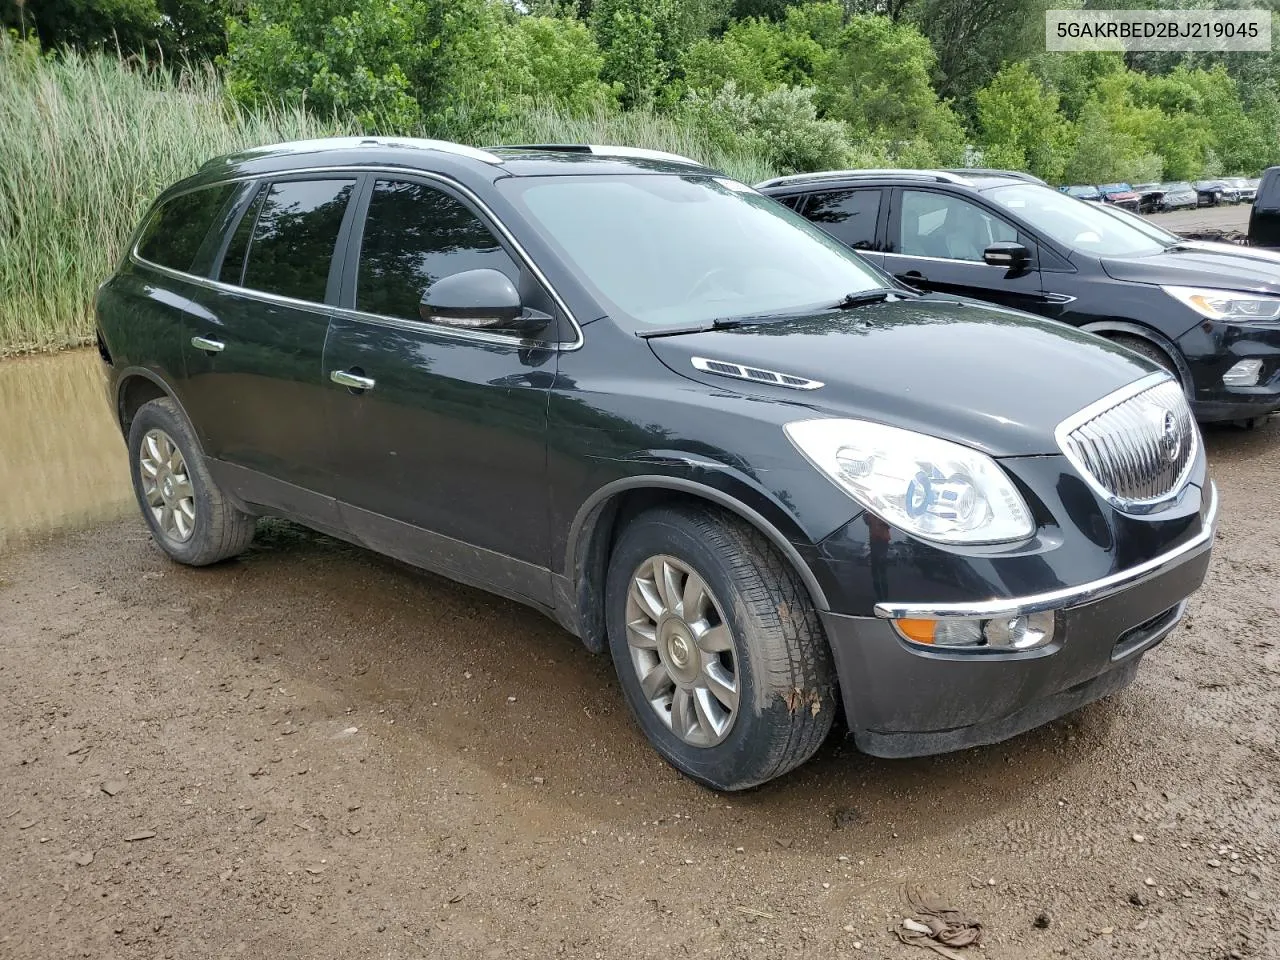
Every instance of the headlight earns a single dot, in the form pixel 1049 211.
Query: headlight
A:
pixel 933 488
pixel 1227 304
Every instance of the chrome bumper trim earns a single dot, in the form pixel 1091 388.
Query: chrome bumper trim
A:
pixel 1067 596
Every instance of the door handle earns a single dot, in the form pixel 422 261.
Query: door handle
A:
pixel 912 276
pixel 207 345
pixel 355 381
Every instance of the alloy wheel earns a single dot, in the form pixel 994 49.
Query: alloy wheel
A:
pixel 683 651
pixel 166 486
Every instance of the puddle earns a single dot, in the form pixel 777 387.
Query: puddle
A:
pixel 62 461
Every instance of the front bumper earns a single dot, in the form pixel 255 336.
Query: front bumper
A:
pixel 903 699
pixel 1211 348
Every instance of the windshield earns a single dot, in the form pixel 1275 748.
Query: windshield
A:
pixel 1081 226
pixel 1142 223
pixel 1116 188
pixel 666 250
pixel 1180 187
pixel 1083 192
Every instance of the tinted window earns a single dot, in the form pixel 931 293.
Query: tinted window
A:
pixel 1269 194
pixel 938 225
pixel 849 216
pixel 294 237
pixel 232 269
pixel 792 201
pixel 174 233
pixel 413 236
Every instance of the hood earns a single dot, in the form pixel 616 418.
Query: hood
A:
pixel 1116 196
pixel 992 379
pixel 1235 250
pixel 1193 265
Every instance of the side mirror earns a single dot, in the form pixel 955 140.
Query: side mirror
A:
pixel 482 299
pixel 1007 254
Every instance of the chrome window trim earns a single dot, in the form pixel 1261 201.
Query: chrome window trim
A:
pixel 1067 596
pixel 920 256
pixel 1098 407
pixel 397 171
pixel 512 340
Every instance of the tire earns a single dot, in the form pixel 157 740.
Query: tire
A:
pixel 1151 351
pixel 198 529
pixel 781 664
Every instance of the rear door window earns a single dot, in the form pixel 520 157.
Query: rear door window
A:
pixel 175 231
pixel 413 236
pixel 291 249
pixel 848 215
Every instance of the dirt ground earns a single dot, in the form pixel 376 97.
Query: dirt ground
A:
pixel 313 752
pixel 1230 216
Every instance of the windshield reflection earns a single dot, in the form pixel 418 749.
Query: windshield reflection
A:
pixel 671 250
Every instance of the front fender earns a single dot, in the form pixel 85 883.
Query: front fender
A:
pixel 706 480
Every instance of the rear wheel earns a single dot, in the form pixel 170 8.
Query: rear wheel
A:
pixel 717 646
pixel 189 516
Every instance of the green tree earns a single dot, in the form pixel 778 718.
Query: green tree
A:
pixel 556 60
pixel 388 63
pixel 757 55
pixel 878 82
pixel 173 30
pixel 1020 124
pixel 630 40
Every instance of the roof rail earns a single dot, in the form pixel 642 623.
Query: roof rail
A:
pixel 939 176
pixel 993 172
pixel 600 151
pixel 352 143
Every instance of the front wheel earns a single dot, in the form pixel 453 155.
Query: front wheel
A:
pixel 717 646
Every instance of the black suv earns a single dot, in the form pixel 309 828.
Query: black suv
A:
pixel 1264 217
pixel 1209 317
pixel 657 406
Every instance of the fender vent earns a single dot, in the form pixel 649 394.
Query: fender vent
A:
pixel 737 371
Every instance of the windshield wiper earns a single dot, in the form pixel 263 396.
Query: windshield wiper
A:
pixel 722 323
pixel 874 295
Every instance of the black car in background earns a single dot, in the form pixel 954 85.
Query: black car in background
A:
pixel 1211 318
pixel 692 428
pixel 1211 193
pixel 1264 218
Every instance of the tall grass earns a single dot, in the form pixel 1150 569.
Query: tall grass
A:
pixel 87 141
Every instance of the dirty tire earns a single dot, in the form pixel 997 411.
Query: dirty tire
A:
pixel 221 530
pixel 786 681
pixel 1151 351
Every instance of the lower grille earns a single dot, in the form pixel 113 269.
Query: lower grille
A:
pixel 1137 446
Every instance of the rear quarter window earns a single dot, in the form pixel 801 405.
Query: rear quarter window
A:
pixel 175 230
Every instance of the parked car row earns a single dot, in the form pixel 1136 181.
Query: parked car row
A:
pixel 1174 195
pixel 863 454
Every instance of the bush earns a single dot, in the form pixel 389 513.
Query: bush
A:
pixel 781 125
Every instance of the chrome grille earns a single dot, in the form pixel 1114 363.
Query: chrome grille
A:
pixel 1136 446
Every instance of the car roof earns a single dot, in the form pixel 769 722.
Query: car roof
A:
pixel 469 163
pixel 976 178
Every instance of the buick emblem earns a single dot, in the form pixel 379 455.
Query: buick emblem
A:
pixel 1171 437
